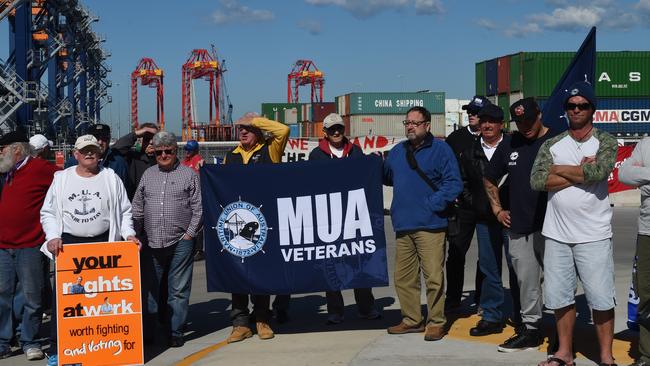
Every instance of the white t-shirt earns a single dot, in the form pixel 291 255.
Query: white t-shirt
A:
pixel 580 213
pixel 337 152
pixel 489 150
pixel 85 206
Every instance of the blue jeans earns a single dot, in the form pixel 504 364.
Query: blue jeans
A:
pixel 24 266
pixel 491 238
pixel 168 271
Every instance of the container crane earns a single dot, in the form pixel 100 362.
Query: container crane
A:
pixel 149 75
pixel 305 72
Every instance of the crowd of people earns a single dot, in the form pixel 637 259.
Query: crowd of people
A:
pixel 538 196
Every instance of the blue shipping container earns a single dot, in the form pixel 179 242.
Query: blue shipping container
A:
pixel 491 78
pixel 294 131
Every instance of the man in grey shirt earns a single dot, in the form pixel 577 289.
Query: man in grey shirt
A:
pixel 167 216
pixel 635 171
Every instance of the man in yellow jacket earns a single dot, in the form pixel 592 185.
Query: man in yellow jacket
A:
pixel 261 141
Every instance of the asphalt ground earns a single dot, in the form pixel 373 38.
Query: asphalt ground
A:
pixel 307 340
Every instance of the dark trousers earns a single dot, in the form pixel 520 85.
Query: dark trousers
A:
pixel 363 297
pixel 642 285
pixel 239 313
pixel 458 246
pixel 67 239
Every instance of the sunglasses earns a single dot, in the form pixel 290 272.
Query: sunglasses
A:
pixel 407 122
pixel 89 151
pixel 166 151
pixel 581 106
pixel 335 128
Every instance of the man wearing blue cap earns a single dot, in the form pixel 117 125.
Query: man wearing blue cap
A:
pixel 459 242
pixel 573 167
pixel 192 157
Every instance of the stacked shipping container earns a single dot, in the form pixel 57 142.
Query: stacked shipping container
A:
pixel 304 119
pixel 382 113
pixel 622 84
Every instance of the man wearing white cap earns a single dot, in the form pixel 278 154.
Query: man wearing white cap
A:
pixel 40 146
pixel 95 204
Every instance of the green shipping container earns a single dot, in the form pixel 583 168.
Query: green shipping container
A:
pixel 623 74
pixel 395 103
pixel 516 76
pixel 288 113
pixel 480 78
pixel 504 103
pixel 542 70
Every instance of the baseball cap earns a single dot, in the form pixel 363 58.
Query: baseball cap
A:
pixel 191 145
pixel 39 142
pixel 524 110
pixel 99 130
pixel 475 105
pixel 12 137
pixel 491 112
pixel 85 141
pixel 333 119
pixel 583 89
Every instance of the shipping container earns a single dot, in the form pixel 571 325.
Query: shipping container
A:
pixel 391 103
pixel 504 103
pixel 320 110
pixel 306 112
pixel 491 77
pixel 317 129
pixel 626 129
pixel 390 125
pixel 294 131
pixel 623 74
pixel 493 99
pixel 542 70
pixel 503 74
pixel 515 97
pixel 480 78
pixel 282 112
pixel 516 76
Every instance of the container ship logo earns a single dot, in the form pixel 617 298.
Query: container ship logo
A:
pixel 242 229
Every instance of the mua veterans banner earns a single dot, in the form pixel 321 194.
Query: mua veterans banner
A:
pixel 294 228
pixel 98 306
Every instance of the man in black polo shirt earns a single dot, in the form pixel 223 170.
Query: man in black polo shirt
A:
pixel 461 140
pixel 525 217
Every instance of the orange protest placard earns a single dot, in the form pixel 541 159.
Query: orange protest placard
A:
pixel 99 307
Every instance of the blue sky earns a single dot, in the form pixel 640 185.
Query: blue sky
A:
pixel 371 45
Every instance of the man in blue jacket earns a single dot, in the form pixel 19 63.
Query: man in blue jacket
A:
pixel 425 178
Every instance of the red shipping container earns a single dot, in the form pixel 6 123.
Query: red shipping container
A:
pixel 321 110
pixel 503 74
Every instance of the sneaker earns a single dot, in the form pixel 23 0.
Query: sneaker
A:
pixel 34 353
pixel 528 339
pixel 176 342
pixel 372 315
pixel 334 319
pixel 53 360
pixel 264 331
pixel 239 333
pixel 484 327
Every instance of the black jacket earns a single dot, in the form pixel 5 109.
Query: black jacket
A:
pixel 323 151
pixel 137 161
pixel 473 164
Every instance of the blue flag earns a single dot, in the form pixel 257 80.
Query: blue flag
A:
pixel 582 68
pixel 294 228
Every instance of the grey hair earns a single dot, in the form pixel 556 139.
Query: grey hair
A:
pixel 25 149
pixel 164 138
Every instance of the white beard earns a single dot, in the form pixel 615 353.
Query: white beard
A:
pixel 6 163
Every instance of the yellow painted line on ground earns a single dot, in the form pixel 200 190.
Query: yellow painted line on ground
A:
pixel 196 356
pixel 461 326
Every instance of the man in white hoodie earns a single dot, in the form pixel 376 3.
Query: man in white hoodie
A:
pixel 86 203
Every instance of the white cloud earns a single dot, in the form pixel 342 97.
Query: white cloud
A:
pixel 517 30
pixel 487 24
pixel 369 8
pixel 311 26
pixel 232 11
pixel 571 18
pixel 643 6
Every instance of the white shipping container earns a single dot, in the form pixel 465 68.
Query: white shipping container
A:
pixel 290 116
pixel 515 97
pixel 493 99
pixel 389 125
pixel 455 105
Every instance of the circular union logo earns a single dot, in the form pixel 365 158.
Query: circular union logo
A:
pixel 242 229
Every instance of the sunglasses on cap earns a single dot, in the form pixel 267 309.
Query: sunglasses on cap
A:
pixel 166 151
pixel 580 106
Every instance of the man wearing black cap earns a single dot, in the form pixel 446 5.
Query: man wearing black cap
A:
pixel 489 232
pixel 460 140
pixel 110 158
pixel 139 157
pixel 573 167
pixel 524 218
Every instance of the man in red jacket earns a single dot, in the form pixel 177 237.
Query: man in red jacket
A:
pixel 26 181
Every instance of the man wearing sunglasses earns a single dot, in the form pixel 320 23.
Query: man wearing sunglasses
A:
pixel 461 140
pixel 336 146
pixel 108 158
pixel 255 148
pixel 573 167
pixel 524 218
pixel 425 178
pixel 167 215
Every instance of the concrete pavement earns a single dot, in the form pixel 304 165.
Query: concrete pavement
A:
pixel 306 340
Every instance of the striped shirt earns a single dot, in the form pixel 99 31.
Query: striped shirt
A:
pixel 167 205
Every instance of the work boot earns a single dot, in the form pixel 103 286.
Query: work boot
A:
pixel 484 327
pixel 434 332
pixel 239 333
pixel 403 328
pixel 264 331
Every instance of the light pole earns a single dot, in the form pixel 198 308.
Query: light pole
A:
pixel 119 110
